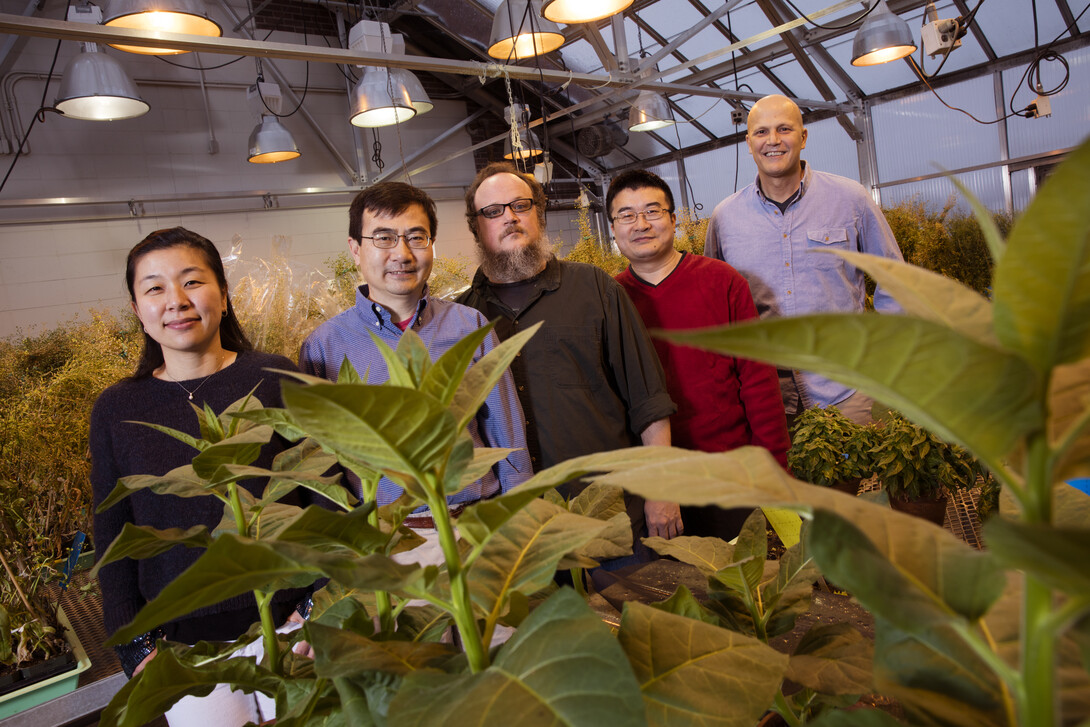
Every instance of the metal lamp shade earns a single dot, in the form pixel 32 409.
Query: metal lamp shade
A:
pixel 380 100
pixel 270 142
pixel 519 31
pixel 96 88
pixel 650 112
pixel 882 38
pixel 531 146
pixel 582 11
pixel 171 16
pixel 417 95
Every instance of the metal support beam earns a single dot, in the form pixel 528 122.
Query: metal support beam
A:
pixel 48 28
pixel 433 143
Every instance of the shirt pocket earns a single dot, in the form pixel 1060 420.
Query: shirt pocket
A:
pixel 573 356
pixel 828 238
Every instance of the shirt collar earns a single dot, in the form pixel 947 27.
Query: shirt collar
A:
pixel 803 185
pixel 382 316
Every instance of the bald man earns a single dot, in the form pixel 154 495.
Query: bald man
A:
pixel 769 230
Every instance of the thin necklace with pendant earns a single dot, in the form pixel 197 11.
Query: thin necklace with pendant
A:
pixel 219 366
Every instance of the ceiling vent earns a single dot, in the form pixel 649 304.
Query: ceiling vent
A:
pixel 601 139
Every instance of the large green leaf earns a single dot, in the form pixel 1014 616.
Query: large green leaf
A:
pixel 967 588
pixel 480 521
pixel 833 659
pixel 443 378
pixel 398 431
pixel 525 552
pixel 340 653
pixel 683 603
pixel 325 529
pixel 952 688
pixel 605 504
pixel 230 566
pixel 141 541
pixel 855 718
pixel 414 355
pixel 750 477
pixel 279 419
pixel 926 294
pixel 483 460
pixel 748 562
pixel 1042 281
pixel 979 396
pixel 694 673
pixel 1056 556
pixel 562 667
pixel 180 482
pixel 709 555
pixel 166 679
pixel 483 376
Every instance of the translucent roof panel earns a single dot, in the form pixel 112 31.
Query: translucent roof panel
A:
pixel 686 132
pixel 830 149
pixel 748 21
pixel 579 56
pixel 1070 120
pixel 711 113
pixel 1009 26
pixel 670 19
pixel 918 135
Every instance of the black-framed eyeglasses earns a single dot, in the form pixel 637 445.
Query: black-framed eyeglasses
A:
pixel 387 240
pixel 518 206
pixel 628 216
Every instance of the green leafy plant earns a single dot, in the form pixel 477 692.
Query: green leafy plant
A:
pixel 759 598
pixel 963 637
pixel 828 448
pixel 914 464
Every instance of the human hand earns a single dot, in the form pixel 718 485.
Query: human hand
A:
pixel 140 667
pixel 663 519
pixel 302 648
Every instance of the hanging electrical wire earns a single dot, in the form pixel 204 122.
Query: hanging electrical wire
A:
pixel 849 24
pixel 39 115
pixel 306 80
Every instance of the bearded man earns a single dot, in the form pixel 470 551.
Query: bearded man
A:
pixel 590 380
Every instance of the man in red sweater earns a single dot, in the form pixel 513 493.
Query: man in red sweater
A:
pixel 723 402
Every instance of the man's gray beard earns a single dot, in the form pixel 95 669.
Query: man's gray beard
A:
pixel 512 266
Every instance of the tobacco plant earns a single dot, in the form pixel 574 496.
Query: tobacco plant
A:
pixel 963 637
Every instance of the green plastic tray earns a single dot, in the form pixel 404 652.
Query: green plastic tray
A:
pixel 54 686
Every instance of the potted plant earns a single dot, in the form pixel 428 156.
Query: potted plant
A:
pixel 918 470
pixel 830 450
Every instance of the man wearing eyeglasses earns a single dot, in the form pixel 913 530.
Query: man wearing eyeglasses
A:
pixel 723 402
pixel 391 232
pixel 589 381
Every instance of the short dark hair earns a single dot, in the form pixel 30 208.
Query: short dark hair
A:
pixel 636 179
pixel 537 192
pixel 232 336
pixel 389 198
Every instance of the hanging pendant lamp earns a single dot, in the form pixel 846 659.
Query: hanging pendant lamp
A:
pixel 519 31
pixel 379 99
pixel 530 146
pixel 96 88
pixel 270 142
pixel 418 97
pixel 171 16
pixel 882 38
pixel 650 112
pixel 582 11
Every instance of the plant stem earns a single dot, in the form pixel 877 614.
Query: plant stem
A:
pixel 383 607
pixel 783 709
pixel 236 508
pixel 268 630
pixel 1038 640
pixel 472 641
pixel 577 582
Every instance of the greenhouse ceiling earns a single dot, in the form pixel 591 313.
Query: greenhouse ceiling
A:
pixel 705 59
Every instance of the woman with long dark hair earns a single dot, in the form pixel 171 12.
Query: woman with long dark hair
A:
pixel 195 353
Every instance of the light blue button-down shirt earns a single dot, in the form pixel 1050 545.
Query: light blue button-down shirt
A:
pixel 773 250
pixel 441 324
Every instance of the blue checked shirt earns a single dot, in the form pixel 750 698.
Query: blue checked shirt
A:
pixel 772 250
pixel 440 324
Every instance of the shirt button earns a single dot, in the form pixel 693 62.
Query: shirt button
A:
pixel 518 354
pixel 826 238
pixel 785 234
pixel 522 388
pixel 534 460
pixel 787 265
pixel 789 292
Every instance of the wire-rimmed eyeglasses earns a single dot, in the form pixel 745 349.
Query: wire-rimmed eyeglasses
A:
pixel 387 240
pixel 518 206
pixel 628 216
